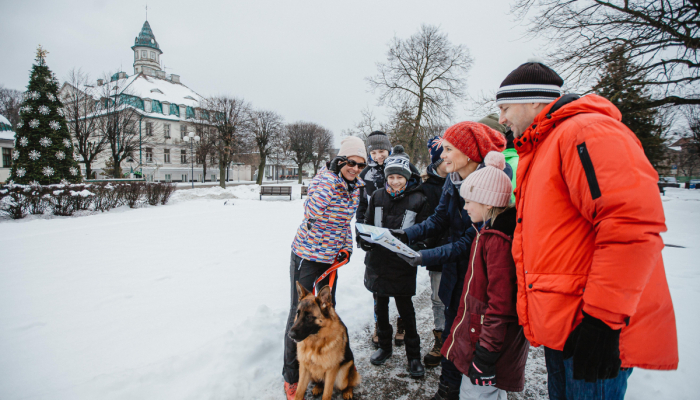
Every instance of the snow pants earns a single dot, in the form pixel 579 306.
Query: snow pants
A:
pixel 404 304
pixel 469 391
pixel 305 272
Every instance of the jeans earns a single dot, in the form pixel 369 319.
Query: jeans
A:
pixel 405 306
pixel 438 307
pixel 469 391
pixel 305 272
pixel 563 386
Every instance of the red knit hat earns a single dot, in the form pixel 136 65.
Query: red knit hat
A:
pixel 475 139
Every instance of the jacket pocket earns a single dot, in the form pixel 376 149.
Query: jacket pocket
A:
pixel 589 170
pixel 476 321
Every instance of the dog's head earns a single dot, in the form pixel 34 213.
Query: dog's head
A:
pixel 313 313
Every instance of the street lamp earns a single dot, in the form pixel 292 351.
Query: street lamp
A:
pixel 192 138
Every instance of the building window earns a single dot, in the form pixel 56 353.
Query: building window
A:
pixel 149 154
pixel 166 131
pixel 183 156
pixel 190 113
pixel 213 178
pixel 6 157
pixel 168 178
pixel 156 106
pixel 174 109
pixel 166 156
pixel 183 131
pixel 149 128
pixel 184 177
pixel 153 55
pixel 143 54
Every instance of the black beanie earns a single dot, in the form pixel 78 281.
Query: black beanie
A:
pixel 532 82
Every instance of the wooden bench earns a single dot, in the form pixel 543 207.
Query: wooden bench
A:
pixel 304 191
pixel 662 190
pixel 276 191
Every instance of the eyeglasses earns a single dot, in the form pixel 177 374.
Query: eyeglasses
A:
pixel 353 163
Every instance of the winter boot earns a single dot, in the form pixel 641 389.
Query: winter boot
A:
pixel 445 392
pixel 400 332
pixel 415 368
pixel 433 358
pixel 375 337
pixel 290 389
pixel 384 352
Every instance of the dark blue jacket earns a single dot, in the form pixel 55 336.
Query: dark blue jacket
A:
pixel 454 256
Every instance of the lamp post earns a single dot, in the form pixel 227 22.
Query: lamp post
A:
pixel 192 138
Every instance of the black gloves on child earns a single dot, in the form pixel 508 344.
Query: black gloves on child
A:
pixel 399 234
pixel 482 372
pixel 596 350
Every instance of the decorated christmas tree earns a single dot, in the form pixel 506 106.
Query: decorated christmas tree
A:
pixel 43 150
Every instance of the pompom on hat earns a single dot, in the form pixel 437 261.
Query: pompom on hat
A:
pixel 398 163
pixel 488 185
pixel 475 140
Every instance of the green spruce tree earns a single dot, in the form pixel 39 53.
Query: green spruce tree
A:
pixel 623 84
pixel 43 150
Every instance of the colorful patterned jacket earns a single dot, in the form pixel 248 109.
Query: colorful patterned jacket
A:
pixel 328 211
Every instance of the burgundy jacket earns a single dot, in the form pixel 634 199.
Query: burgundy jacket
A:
pixel 487 313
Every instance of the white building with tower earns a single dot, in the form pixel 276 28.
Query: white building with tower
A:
pixel 168 110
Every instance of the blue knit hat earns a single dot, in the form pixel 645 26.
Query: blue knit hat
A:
pixel 435 149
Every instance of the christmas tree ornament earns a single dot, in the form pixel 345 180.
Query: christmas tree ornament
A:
pixel 20 172
pixel 73 171
pixel 34 155
pixel 46 142
pixel 51 97
pixel 20 124
pixel 25 109
pixel 54 125
pixel 60 155
pixel 47 171
pixel 34 123
pixel 23 141
pixel 67 143
pixel 15 154
pixel 44 110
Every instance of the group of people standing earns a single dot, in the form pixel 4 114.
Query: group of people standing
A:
pixel 539 227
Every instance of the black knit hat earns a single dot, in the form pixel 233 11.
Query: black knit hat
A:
pixel 532 82
pixel 378 140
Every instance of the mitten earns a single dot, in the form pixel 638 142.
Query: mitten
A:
pixel 595 348
pixel 399 234
pixel 364 245
pixel 482 372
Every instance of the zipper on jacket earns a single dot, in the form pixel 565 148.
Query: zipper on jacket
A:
pixel 589 170
pixel 476 244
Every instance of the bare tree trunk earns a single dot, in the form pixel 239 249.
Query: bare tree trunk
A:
pixel 299 173
pixel 222 174
pixel 261 170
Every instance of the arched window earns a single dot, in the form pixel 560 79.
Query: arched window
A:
pixel 144 54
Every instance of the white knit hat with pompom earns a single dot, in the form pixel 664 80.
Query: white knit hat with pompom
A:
pixel 488 185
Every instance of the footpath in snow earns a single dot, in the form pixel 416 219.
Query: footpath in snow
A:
pixel 189 301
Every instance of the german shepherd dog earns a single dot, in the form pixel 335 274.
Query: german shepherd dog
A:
pixel 323 347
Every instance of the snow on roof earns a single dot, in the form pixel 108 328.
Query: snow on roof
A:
pixel 150 87
pixel 6 134
pixel 4 120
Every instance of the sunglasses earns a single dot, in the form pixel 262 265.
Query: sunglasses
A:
pixel 353 163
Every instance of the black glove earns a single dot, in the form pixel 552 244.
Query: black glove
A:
pixel 482 372
pixel 596 350
pixel 342 256
pixel 364 245
pixel 337 163
pixel 399 234
pixel 412 261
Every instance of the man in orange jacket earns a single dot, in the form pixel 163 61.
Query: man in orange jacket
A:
pixel 591 282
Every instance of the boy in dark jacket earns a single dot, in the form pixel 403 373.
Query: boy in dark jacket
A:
pixel 399 205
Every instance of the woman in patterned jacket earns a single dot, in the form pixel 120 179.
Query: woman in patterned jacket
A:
pixel 324 232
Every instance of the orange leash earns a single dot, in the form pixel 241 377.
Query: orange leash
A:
pixel 332 271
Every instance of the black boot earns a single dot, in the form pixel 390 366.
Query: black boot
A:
pixel 433 358
pixel 384 353
pixel 380 356
pixel 445 392
pixel 415 368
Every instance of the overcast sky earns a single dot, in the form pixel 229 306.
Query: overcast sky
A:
pixel 306 60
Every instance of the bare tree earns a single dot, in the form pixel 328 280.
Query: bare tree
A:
pixel 10 101
pixel 81 110
pixel 322 146
pixel 423 74
pixel 300 137
pixel 118 121
pixel 231 118
pixel 367 125
pixel 266 126
pixel 662 37
pixel 205 150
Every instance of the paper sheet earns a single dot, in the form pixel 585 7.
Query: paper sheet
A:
pixel 383 237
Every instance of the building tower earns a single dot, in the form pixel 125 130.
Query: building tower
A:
pixel 147 53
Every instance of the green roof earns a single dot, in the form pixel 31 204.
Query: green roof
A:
pixel 146 37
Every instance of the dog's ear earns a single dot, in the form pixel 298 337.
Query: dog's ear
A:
pixel 325 298
pixel 301 290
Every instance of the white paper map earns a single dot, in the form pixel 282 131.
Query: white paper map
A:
pixel 383 237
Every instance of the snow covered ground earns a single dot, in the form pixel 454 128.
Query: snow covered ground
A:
pixel 189 301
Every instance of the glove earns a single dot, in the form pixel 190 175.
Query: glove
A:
pixel 399 234
pixel 595 348
pixel 482 372
pixel 342 256
pixel 412 261
pixel 364 245
pixel 337 163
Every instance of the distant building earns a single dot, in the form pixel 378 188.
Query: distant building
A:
pixel 168 111
pixel 7 143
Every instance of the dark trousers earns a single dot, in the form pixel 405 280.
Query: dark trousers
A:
pixel 404 305
pixel 562 385
pixel 305 272
pixel 450 374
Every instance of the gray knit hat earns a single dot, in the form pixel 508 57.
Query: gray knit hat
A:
pixel 398 163
pixel 491 121
pixel 378 140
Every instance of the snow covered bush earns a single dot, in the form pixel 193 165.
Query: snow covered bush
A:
pixel 13 201
pixel 158 193
pixel 37 199
pixel 133 193
pixel 62 202
pixel 168 189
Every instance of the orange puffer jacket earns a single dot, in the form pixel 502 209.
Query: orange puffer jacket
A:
pixel 587 238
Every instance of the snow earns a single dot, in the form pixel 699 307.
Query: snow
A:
pixel 7 135
pixel 189 300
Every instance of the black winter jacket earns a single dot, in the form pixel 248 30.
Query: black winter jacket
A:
pixel 432 188
pixel 385 273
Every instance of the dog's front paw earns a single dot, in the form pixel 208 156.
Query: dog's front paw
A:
pixel 318 389
pixel 347 393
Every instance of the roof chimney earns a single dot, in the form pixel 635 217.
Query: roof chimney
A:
pixel 175 78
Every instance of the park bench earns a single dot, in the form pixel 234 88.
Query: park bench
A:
pixel 304 191
pixel 662 190
pixel 276 191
